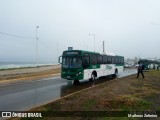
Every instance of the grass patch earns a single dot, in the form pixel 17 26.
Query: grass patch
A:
pixel 125 103
pixel 54 107
pixel 158 108
pixel 75 96
pixel 89 104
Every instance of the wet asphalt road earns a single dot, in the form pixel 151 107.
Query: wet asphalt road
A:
pixel 27 95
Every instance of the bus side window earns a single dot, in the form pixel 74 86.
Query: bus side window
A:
pixel 112 59
pixel 86 60
pixel 109 59
pixel 93 59
pixel 104 59
pixel 116 60
pixel 99 59
pixel 122 60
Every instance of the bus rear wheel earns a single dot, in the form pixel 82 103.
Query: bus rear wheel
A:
pixel 116 73
pixel 93 77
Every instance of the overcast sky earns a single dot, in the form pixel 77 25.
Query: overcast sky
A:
pixel 129 27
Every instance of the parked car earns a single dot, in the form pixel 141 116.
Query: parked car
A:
pixel 136 65
pixel 128 65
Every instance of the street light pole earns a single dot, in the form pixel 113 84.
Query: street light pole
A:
pixel 37 46
pixel 94 35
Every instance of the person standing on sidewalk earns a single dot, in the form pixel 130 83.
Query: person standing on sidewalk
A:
pixel 140 69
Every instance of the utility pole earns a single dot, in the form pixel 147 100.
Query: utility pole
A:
pixel 103 47
pixel 104 51
pixel 57 50
pixel 37 46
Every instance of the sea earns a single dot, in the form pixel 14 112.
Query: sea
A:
pixel 9 65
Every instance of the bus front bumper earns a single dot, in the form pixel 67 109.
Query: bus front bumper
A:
pixel 72 76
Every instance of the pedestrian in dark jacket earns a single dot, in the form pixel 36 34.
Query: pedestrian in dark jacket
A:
pixel 140 70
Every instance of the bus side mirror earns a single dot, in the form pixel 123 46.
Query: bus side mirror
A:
pixel 60 59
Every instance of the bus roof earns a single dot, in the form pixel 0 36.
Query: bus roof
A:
pixel 83 51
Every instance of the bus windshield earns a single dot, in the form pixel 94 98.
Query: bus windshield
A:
pixel 144 62
pixel 71 62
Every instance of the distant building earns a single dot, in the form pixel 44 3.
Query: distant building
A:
pixel 132 62
pixel 136 60
pixel 155 58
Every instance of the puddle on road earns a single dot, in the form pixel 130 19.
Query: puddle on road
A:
pixel 127 72
pixel 68 89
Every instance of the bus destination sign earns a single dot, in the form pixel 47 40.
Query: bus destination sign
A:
pixel 71 53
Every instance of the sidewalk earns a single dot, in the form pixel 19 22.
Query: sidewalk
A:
pixel 28 70
pixel 28 74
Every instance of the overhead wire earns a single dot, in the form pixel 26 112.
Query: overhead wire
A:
pixel 44 44
pixel 26 37
pixel 12 35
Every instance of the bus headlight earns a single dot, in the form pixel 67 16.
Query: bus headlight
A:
pixel 78 73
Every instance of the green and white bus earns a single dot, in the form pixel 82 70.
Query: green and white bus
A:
pixel 149 64
pixel 79 65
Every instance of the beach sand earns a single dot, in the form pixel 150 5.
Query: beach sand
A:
pixel 12 75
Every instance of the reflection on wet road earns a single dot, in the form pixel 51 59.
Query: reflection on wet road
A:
pixel 29 94
pixel 65 89
pixel 26 95
pixel 127 72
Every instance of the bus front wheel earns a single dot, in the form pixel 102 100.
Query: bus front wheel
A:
pixel 76 82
